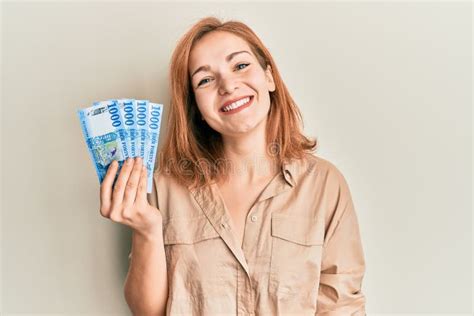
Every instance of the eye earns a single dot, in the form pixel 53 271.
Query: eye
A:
pixel 202 81
pixel 242 65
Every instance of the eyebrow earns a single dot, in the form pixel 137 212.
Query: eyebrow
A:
pixel 228 59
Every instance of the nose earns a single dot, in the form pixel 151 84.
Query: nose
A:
pixel 227 85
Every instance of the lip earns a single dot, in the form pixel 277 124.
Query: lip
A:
pixel 239 108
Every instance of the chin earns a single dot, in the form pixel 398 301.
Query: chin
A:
pixel 250 127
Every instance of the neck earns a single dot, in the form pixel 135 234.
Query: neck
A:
pixel 248 157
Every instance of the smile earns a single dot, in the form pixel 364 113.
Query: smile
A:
pixel 237 106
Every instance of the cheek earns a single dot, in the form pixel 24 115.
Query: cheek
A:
pixel 257 81
pixel 204 103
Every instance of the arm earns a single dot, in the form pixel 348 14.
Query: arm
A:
pixel 146 285
pixel 343 264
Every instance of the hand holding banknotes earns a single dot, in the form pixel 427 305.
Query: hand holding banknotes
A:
pixel 122 136
pixel 126 201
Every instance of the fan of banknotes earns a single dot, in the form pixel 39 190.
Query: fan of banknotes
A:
pixel 121 128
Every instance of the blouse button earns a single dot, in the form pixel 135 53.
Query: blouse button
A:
pixel 254 218
pixel 224 225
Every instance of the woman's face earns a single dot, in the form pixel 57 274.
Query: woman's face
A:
pixel 223 69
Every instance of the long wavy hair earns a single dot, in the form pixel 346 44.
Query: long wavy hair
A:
pixel 193 152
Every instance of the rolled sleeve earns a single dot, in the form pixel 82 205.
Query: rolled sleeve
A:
pixel 343 264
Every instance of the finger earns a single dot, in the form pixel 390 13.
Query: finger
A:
pixel 132 184
pixel 141 193
pixel 106 188
pixel 119 187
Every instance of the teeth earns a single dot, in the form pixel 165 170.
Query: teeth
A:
pixel 236 104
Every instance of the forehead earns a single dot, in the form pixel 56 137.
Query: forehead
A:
pixel 215 46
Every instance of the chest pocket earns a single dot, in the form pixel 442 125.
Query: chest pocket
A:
pixel 188 230
pixel 295 264
pixel 193 250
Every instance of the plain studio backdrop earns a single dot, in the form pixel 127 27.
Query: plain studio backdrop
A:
pixel 385 86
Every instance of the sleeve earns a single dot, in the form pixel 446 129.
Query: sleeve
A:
pixel 343 264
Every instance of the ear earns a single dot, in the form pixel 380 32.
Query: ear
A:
pixel 269 77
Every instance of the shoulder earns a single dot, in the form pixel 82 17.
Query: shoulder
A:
pixel 166 185
pixel 172 198
pixel 317 168
pixel 162 177
pixel 165 188
pixel 328 188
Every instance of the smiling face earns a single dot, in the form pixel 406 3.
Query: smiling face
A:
pixel 223 70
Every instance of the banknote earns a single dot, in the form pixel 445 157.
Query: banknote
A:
pixel 101 137
pixel 154 123
pixel 116 118
pixel 117 129
pixel 127 110
pixel 142 127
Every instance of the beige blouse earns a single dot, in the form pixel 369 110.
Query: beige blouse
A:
pixel 301 252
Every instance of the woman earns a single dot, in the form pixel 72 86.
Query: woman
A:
pixel 243 218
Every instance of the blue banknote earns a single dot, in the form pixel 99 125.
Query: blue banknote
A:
pixel 128 112
pixel 142 127
pixel 116 118
pixel 117 129
pixel 155 112
pixel 101 137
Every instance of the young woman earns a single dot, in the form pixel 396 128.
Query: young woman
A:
pixel 244 218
